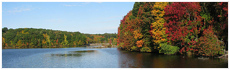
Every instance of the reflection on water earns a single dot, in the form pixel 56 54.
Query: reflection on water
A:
pixel 150 60
pixel 100 58
pixel 66 55
pixel 74 53
pixel 84 51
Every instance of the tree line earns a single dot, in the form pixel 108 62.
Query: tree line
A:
pixel 198 28
pixel 46 38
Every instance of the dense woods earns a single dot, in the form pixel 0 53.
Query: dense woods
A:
pixel 198 28
pixel 45 38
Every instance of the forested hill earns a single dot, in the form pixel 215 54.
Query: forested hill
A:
pixel 46 38
pixel 199 28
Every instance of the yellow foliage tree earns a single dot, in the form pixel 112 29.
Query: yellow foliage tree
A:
pixel 137 34
pixel 19 44
pixel 47 38
pixel 43 42
pixel 65 42
pixel 23 32
pixel 158 29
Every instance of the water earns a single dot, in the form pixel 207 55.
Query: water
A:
pixel 99 58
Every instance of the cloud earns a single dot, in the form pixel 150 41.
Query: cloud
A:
pixel 19 10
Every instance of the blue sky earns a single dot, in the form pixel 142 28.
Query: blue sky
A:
pixel 85 17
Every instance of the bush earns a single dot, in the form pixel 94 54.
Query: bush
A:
pixel 109 45
pixel 121 45
pixel 134 48
pixel 145 49
pixel 209 45
pixel 168 49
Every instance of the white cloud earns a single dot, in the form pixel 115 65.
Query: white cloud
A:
pixel 19 10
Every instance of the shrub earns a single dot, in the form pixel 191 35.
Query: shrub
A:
pixel 134 48
pixel 109 45
pixel 145 49
pixel 121 45
pixel 168 49
pixel 209 45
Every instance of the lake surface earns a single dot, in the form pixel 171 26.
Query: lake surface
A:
pixel 82 57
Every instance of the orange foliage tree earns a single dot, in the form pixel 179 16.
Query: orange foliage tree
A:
pixel 139 43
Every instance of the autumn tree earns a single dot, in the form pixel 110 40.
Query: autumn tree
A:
pixel 157 27
pixel 65 42
pixel 137 34
pixel 209 44
pixel 139 43
pixel 183 24
pixel 47 39
pixel 19 44
pixel 114 41
pixel 3 42
pixel 144 19
pixel 125 32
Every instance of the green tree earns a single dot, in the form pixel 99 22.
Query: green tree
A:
pixel 4 30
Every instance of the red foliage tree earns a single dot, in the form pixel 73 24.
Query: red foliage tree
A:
pixel 183 24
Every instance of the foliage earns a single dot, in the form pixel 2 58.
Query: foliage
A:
pixel 125 32
pixel 136 8
pixel 4 30
pixel 137 34
pixel 157 27
pixel 209 45
pixel 145 49
pixel 45 38
pixel 168 49
pixel 169 27
pixel 114 41
pixel 121 45
pixel 134 27
pixel 134 48
pixel 183 23
pixel 65 42
pixel 139 43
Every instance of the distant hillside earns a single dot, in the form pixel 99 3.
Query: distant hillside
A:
pixel 46 38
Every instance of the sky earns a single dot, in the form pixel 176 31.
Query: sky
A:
pixel 85 17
